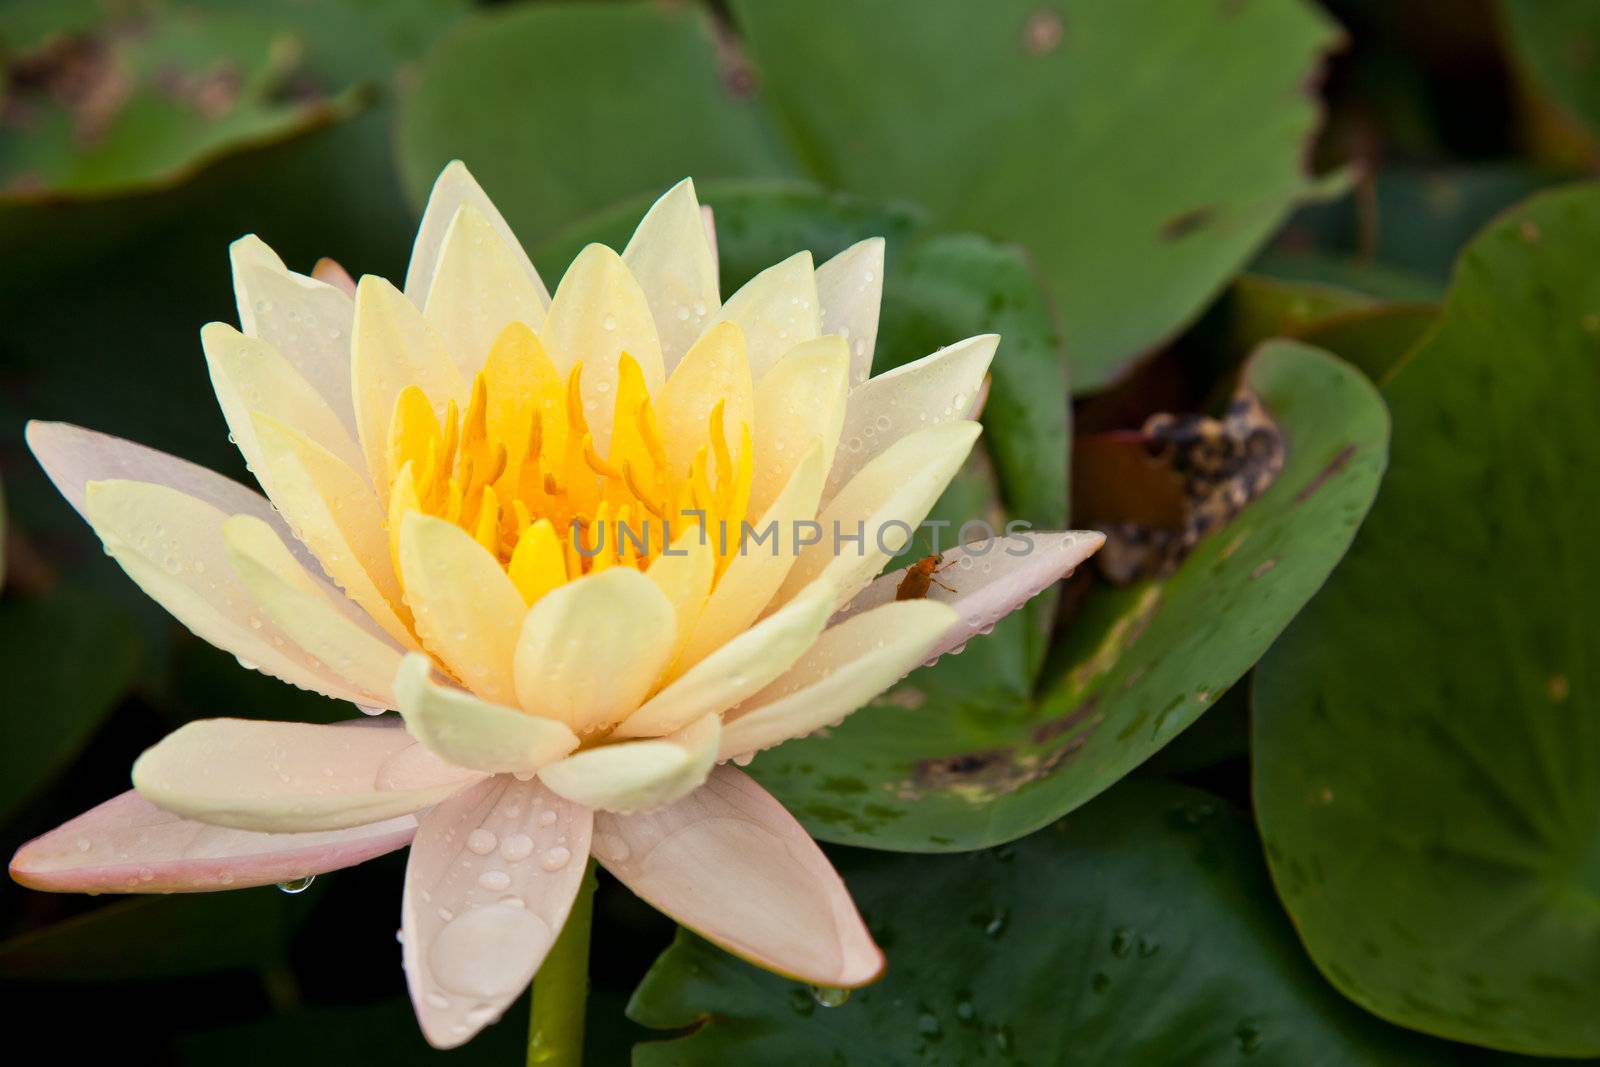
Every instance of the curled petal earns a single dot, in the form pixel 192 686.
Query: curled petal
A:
pixel 731 864
pixel 849 665
pixel 128 845
pixel 467 732
pixel 491 878
pixel 292 777
pixel 637 775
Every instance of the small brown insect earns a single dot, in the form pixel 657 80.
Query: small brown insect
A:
pixel 914 586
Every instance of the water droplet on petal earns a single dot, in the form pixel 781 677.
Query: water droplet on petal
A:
pixel 297 885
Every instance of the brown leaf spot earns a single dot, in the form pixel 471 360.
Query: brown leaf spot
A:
pixel 1334 466
pixel 1187 223
pixel 1042 33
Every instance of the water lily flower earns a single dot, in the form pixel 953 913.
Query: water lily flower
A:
pixel 502 514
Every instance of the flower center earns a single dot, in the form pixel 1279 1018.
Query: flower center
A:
pixel 521 472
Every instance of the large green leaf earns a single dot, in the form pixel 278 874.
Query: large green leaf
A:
pixel 1057 124
pixel 1427 765
pixel 954 758
pixel 158 937
pixel 66 658
pixel 1141 930
pixel 561 109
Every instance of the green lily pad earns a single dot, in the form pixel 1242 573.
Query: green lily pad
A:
pixel 609 100
pixel 1142 930
pixel 1009 125
pixel 1376 339
pixel 1426 763
pixel 68 658
pixel 140 102
pixel 950 759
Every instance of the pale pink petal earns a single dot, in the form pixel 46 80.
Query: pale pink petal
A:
pixel 492 875
pixel 990 579
pixel 292 777
pixel 330 272
pixel 731 864
pixel 128 845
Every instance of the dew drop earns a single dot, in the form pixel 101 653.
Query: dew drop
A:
pixel 829 996
pixel 482 842
pixel 495 881
pixel 516 847
pixel 297 885
pixel 555 859
pixel 485 952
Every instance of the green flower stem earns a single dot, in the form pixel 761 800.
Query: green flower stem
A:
pixel 555 1030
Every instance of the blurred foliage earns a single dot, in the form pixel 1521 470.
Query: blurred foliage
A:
pixel 1126 190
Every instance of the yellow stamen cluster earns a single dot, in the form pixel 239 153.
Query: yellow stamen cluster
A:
pixel 521 472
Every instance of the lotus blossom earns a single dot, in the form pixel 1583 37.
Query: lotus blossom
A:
pixel 501 514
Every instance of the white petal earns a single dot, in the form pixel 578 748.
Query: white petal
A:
pixel 249 375
pixel 933 390
pixel 637 775
pixel 736 670
pixel 454 187
pixel 671 258
pixel 344 639
pixel 590 650
pixel 479 288
pixel 991 579
pixel 849 665
pixel 288 776
pixel 885 502
pixel 731 864
pixel 491 878
pixel 850 288
pixel 467 732
pixel 777 309
pixel 171 545
pixel 128 845
pixel 306 320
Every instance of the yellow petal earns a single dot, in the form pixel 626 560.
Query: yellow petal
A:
pixel 671 258
pixel 800 400
pixel 884 504
pixel 591 650
pixel 598 313
pixel 715 369
pixel 454 187
pixel 757 572
pixel 170 544
pixel 333 510
pixel 468 732
pixel 479 287
pixel 343 639
pixel 394 347
pixel 737 669
pixel 468 612
pixel 777 309
pixel 637 775
pixel 539 563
